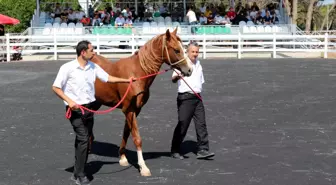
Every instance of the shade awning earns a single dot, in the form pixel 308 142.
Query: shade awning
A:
pixel 8 20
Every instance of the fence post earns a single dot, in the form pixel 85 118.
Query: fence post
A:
pixel 239 45
pixel 8 47
pixel 326 45
pixel 55 46
pixel 204 46
pixel 274 45
pixel 98 44
pixel 133 44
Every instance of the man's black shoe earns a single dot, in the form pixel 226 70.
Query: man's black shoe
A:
pixel 177 156
pixel 204 154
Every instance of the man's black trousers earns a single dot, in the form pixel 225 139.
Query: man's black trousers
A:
pixel 189 107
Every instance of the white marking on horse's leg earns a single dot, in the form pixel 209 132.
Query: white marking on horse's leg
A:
pixel 123 160
pixel 144 171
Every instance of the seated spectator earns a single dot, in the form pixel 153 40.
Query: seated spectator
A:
pixel 231 13
pixel 85 21
pixel 267 19
pixel 128 22
pixel 275 19
pixel 72 16
pixel 208 12
pixel 203 20
pixel 226 20
pixel 253 13
pixel 96 20
pixel 258 19
pixel 79 15
pixel 218 19
pixel 156 13
pixel 120 20
pixel 64 17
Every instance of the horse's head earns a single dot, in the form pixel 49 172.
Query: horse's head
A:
pixel 173 53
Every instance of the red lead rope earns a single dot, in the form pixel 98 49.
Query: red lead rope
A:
pixel 82 108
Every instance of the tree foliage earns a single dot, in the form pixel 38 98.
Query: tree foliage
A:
pixel 22 10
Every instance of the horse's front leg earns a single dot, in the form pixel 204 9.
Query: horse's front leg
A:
pixel 131 119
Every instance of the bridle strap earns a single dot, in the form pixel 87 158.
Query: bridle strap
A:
pixel 164 47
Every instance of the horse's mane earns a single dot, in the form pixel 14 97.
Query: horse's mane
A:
pixel 150 57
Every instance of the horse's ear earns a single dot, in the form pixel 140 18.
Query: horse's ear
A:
pixel 168 34
pixel 175 31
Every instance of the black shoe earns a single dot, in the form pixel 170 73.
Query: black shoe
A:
pixel 204 154
pixel 177 156
pixel 80 180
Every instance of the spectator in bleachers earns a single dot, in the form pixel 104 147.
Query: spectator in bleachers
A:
pixel 192 19
pixel 218 19
pixel 128 22
pixel 72 16
pixel 203 20
pixel 96 20
pixel 202 8
pixel 255 6
pixel 91 12
pixel 85 21
pixel 163 10
pixel 226 20
pixel 231 13
pixel 117 8
pixel 57 10
pixel 258 19
pixel 120 20
pixel 156 13
pixel 253 13
pixel 64 16
pixel 208 13
pixel 275 19
pixel 267 18
pixel 79 15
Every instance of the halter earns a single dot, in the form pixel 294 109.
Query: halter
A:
pixel 164 47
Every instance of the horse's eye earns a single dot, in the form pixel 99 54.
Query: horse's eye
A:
pixel 177 51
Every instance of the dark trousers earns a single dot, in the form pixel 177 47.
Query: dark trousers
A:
pixel 82 126
pixel 190 107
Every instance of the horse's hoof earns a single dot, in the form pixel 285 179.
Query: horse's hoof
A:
pixel 123 162
pixel 145 172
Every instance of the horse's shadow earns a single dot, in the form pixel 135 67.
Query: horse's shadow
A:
pixel 112 150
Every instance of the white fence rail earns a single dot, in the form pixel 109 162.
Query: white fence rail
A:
pixel 240 43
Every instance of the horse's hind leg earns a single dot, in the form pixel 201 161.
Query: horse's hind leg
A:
pixel 122 149
pixel 131 119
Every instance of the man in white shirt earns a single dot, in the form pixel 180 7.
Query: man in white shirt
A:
pixel 74 84
pixel 192 19
pixel 190 106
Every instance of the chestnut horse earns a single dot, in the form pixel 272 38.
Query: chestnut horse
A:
pixel 165 48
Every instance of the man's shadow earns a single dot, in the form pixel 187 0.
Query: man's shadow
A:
pixel 111 150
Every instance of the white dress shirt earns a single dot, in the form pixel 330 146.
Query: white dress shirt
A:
pixel 195 81
pixel 78 83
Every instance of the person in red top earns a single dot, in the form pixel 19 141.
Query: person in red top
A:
pixel 85 21
pixel 231 13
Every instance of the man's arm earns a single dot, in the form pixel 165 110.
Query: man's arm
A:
pixel 59 92
pixel 113 79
